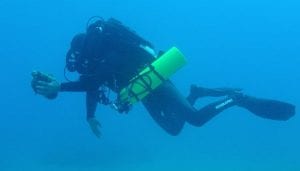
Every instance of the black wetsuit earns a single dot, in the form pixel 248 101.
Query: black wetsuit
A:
pixel 121 60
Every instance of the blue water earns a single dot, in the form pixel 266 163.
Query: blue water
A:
pixel 253 45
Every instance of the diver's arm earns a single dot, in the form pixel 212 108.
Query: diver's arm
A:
pixel 92 95
pixel 84 84
pixel 91 103
pixel 91 106
pixel 47 85
pixel 77 86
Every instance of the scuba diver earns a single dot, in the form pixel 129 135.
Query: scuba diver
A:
pixel 111 57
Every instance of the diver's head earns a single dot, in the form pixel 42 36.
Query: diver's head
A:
pixel 75 52
pixel 85 47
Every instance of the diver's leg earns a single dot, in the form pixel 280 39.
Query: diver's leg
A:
pixel 171 102
pixel 167 102
pixel 266 108
pixel 270 109
pixel 197 92
pixel 159 104
pixel 200 117
pixel 205 114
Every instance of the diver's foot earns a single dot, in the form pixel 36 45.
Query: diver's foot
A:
pixel 197 92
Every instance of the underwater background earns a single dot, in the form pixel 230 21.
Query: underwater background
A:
pixel 250 44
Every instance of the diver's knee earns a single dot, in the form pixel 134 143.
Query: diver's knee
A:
pixel 174 132
pixel 288 115
pixel 196 122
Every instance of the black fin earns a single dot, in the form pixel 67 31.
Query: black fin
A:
pixel 266 108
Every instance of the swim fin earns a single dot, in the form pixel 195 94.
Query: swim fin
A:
pixel 266 108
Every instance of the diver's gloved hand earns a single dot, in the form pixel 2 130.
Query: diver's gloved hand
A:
pixel 45 84
pixel 95 125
